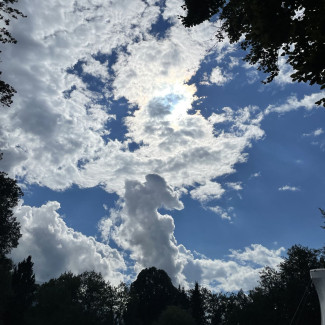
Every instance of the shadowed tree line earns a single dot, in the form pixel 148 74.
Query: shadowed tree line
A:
pixel 151 299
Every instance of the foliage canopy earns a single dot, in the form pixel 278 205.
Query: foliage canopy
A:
pixel 269 29
pixel 10 193
pixel 7 12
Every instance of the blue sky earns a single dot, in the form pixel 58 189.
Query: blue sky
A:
pixel 141 143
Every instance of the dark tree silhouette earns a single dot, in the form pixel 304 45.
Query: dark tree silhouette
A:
pixel 23 290
pixel 323 215
pixel 97 299
pixel 284 295
pixel 86 299
pixel 174 315
pixel 183 299
pixel 10 193
pixel 197 305
pixel 7 12
pixel 75 300
pixel 5 285
pixel 281 292
pixel 9 235
pixel 23 282
pixel 150 294
pixel 57 302
pixel 122 297
pixel 228 308
pixel 267 29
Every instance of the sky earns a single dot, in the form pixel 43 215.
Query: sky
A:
pixel 139 142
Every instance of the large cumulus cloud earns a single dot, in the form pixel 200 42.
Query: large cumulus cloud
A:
pixel 146 233
pixel 139 228
pixel 56 133
pixel 56 248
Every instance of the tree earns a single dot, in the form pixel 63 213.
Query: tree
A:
pixel 174 315
pixel 57 302
pixel 122 297
pixel 269 29
pixel 182 299
pixel 97 298
pixel 216 308
pixel 10 193
pixel 227 308
pixel 196 305
pixel 85 299
pixel 23 282
pixel 23 290
pixel 323 215
pixel 5 285
pixel 150 294
pixel 7 13
pixel 286 295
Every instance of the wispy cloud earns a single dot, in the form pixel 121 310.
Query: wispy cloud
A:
pixel 289 188
pixel 259 255
pixel 234 62
pixel 217 77
pixel 314 133
pixel 257 174
pixel 235 186
pixel 293 103
pixel 223 213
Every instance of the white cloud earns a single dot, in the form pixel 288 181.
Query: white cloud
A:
pixel 318 132
pixel 143 231
pixel 314 133
pixel 252 76
pixel 227 115
pixel 251 73
pixel 137 228
pixel 148 235
pixel 151 66
pixel 317 140
pixel 289 188
pixel 217 77
pixel 205 79
pixel 234 61
pixel 283 77
pixel 258 254
pixel 96 69
pixel 285 71
pixel 56 141
pixel 180 147
pixel 292 103
pixel 257 174
pixel 56 248
pixel 207 192
pixel 224 214
pixel 48 134
pixel 235 186
pixel 232 274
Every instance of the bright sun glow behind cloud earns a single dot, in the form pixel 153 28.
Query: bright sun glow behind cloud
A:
pixel 179 97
